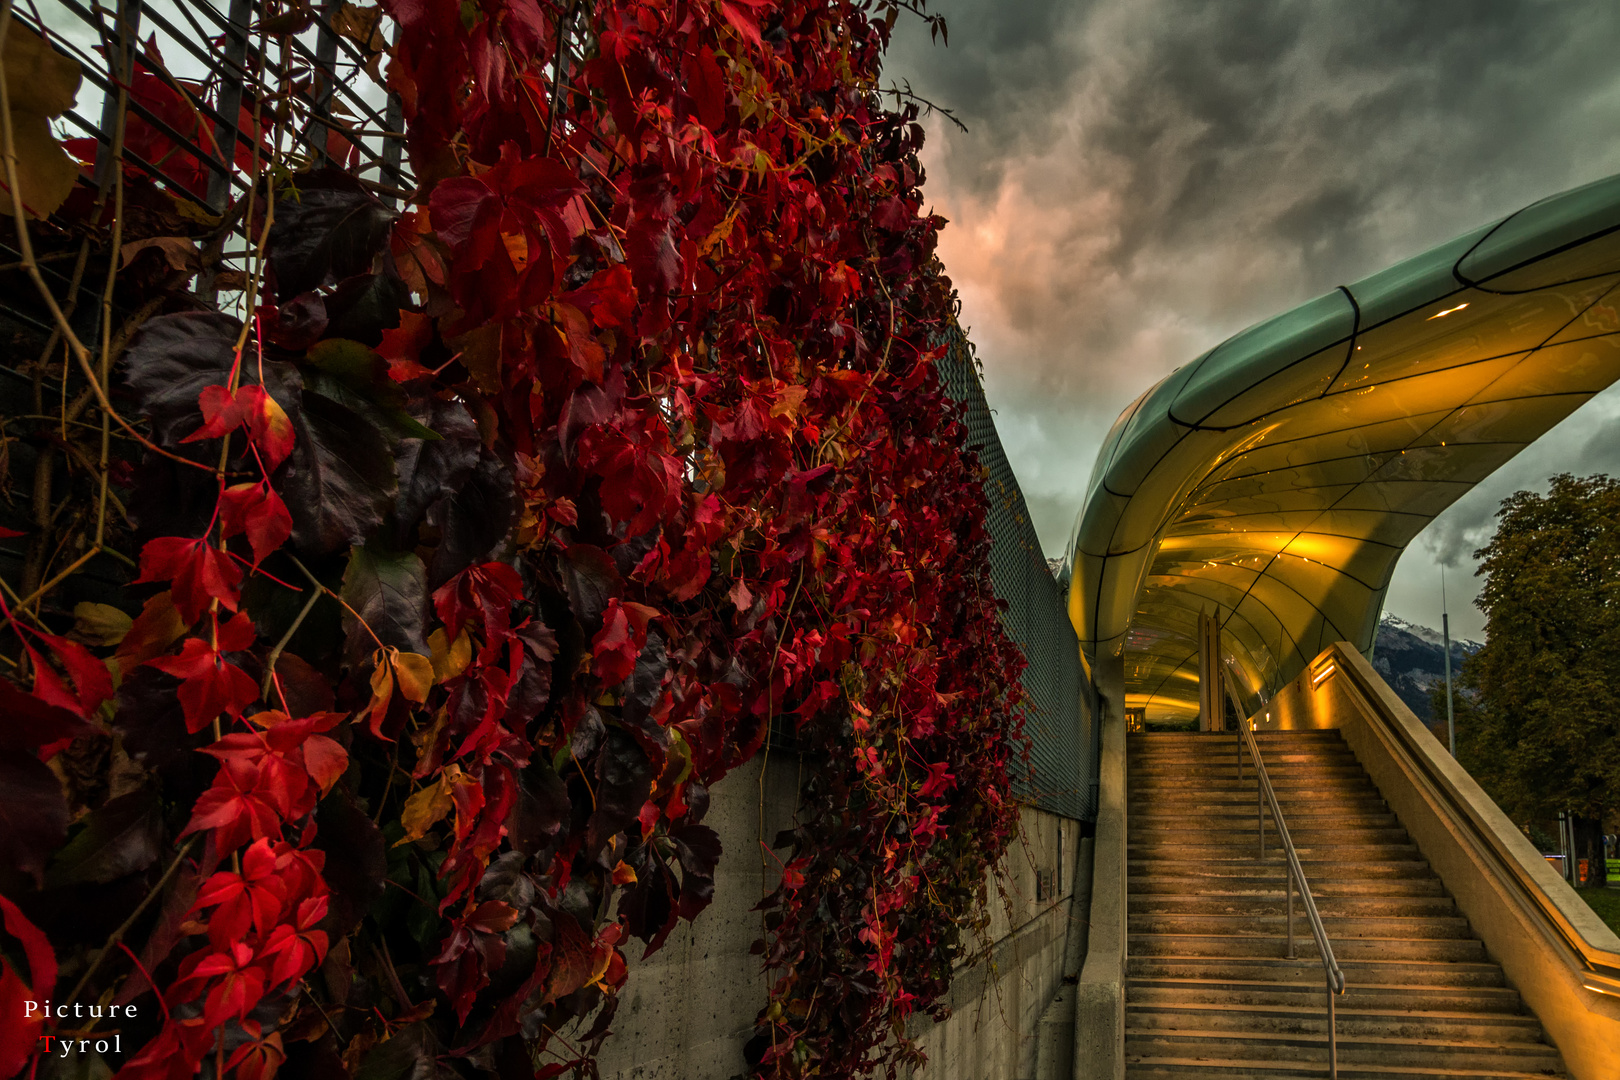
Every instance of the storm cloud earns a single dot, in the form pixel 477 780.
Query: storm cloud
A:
pixel 1142 178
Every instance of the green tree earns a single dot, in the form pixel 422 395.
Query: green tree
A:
pixel 1541 728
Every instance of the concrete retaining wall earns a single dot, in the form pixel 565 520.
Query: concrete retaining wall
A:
pixel 689 1008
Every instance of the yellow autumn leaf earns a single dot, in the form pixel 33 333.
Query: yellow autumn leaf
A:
pixel 40 83
pixel 414 673
pixel 99 624
pixel 450 658
pixel 425 809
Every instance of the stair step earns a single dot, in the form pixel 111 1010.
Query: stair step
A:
pixel 1339 928
pixel 1358 971
pixel 1209 988
pixel 1456 999
pixel 1240 884
pixel 1354 1018
pixel 1353 1049
pixel 1223 943
pixel 1314 834
pixel 1166 1068
pixel 1272 869
pixel 1275 902
pixel 1227 772
pixel 1245 851
pixel 1195 803
pixel 1243 817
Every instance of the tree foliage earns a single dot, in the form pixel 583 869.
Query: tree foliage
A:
pixel 500 529
pixel 1541 726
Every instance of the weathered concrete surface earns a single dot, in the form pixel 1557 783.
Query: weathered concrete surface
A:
pixel 1099 1016
pixel 1054 1050
pixel 689 1008
pixel 997 1002
pixel 1527 916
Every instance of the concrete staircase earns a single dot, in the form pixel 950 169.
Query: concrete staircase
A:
pixel 1209 989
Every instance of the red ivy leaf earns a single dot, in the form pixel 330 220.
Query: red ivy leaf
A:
pixel 211 685
pixel 616 646
pixel 198 573
pixel 256 509
pixel 268 424
pixel 237 808
pixel 19 1033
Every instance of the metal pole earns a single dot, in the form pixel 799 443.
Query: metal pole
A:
pixel 1445 634
pixel 1259 809
pixel 1333 1037
pixel 226 131
pixel 1288 873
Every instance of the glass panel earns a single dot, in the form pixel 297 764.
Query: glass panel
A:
pixel 1262 351
pixel 1542 228
pixel 1465 328
pixel 1467 462
pixel 1585 366
pixel 1603 317
pixel 1506 421
pixel 1421 280
pixel 1303 381
pixel 1295 501
pixel 1424 497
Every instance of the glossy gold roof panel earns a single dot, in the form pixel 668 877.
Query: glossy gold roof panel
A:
pixel 1277 478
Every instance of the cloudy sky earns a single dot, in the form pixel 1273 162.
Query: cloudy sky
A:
pixel 1143 178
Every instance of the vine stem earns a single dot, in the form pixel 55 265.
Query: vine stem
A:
pixel 157 890
pixel 770 718
pixel 275 653
pixel 117 170
pixel 8 151
pixel 321 588
pixel 55 581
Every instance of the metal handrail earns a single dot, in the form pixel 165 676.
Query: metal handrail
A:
pixel 1265 793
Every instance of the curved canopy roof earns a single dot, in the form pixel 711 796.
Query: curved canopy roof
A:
pixel 1277 478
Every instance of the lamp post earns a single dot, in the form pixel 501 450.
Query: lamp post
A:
pixel 1445 636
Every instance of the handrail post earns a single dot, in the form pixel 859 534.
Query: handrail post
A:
pixel 1259 809
pixel 1239 744
pixel 1333 1035
pixel 1288 875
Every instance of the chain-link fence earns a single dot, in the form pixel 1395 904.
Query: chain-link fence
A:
pixel 1058 717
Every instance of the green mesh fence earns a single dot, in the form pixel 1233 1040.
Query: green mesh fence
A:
pixel 1058 716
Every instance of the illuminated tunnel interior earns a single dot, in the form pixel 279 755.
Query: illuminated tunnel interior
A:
pixel 1275 480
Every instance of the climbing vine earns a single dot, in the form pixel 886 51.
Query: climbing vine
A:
pixel 490 534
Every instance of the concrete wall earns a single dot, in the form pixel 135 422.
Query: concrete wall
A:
pixel 688 1009
pixel 1099 1024
pixel 1531 921
pixel 998 1001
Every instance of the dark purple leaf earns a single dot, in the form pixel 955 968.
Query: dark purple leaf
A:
pixel 592 579
pixel 124 836
pixel 389 591
pixel 356 860
pixel 339 479
pixel 329 229
pixel 430 470
pixel 474 519
pixel 33 814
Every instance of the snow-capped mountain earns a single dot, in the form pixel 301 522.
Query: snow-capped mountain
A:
pixel 1412 660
